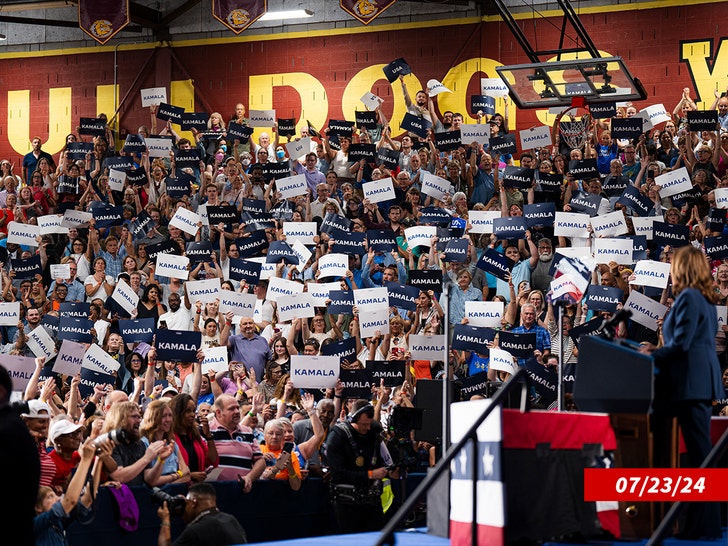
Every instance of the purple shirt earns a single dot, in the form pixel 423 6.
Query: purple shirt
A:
pixel 254 352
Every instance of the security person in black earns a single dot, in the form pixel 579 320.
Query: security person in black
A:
pixel 357 461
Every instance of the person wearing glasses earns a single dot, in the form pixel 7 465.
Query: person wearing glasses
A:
pixel 76 291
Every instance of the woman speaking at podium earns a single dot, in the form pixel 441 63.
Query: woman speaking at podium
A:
pixel 687 372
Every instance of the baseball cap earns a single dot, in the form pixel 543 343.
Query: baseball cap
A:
pixel 170 389
pixel 59 428
pixel 36 409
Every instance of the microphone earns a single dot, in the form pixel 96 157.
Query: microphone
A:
pixel 619 316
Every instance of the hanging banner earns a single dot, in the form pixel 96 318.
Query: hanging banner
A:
pixel 238 15
pixel 365 12
pixel 102 19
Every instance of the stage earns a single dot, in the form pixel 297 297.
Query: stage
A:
pixel 419 537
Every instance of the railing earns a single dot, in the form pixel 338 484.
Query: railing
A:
pixel 719 449
pixel 387 536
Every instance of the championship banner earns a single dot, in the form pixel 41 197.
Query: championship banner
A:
pixel 102 19
pixel 365 12
pixel 238 15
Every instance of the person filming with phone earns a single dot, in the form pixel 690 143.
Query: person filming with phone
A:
pixel 281 462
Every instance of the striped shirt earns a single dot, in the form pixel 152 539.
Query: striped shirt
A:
pixel 237 451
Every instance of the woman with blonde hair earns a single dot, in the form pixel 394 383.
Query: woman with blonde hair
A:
pixel 157 425
pixel 687 377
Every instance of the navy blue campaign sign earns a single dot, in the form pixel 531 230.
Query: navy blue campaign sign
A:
pixel 107 215
pixel 472 338
pixel 178 345
pixel 367 152
pixel 587 329
pixel 717 247
pixel 194 120
pixel 509 227
pixel 187 159
pixel 75 309
pixel 180 186
pixel 426 279
pixel 448 140
pixel 675 235
pixel 583 168
pixel 474 384
pixel 357 383
pixel 633 199
pixel 254 206
pixel 392 371
pixel 244 270
pixel 518 177
pixel 256 222
pixel 349 243
pixel 586 203
pixel 435 215
pixel 26 268
pixel 496 263
pixel 91 378
pixel 199 251
pixel 403 296
pixel 539 214
pixel 550 183
pixel 239 131
pixel 414 124
pixel 75 329
pixel 456 250
pixel 482 103
pixel 137 330
pixel 603 110
pixel 334 223
pixel 141 225
pixel 165 247
pixel 626 128
pixel 603 298
pixel 345 349
pixel 544 380
pixel 253 245
pixel 520 345
pixel 342 302
pixel 503 144
pixel 639 247
pixel 396 68
pixel 366 119
pixel 51 324
pixel 280 250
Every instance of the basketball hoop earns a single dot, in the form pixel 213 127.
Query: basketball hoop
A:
pixel 575 131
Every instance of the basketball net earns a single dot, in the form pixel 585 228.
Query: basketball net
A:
pixel 574 123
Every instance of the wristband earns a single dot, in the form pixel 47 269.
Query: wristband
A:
pixel 165 524
pixel 240 391
pixel 198 312
pixel 179 474
pixel 371 475
pixel 251 414
pixel 337 396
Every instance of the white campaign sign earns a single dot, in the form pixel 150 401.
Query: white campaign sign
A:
pixel 76 218
pixel 20 368
pixel 434 186
pixel 721 312
pixel 379 190
pixel 204 291
pixel 153 95
pixel 609 225
pixel 613 250
pixel 435 88
pixel 158 147
pixel 262 118
pixel 643 225
pixel 69 358
pixel 535 137
pixel 40 343
pixel 278 287
pixel 23 234
pixel 51 223
pixel 314 372
pixel 333 265
pixel 125 296
pixel 298 148
pixel 427 347
pixel 721 198
pixel 215 359
pixel 674 182
pixel 651 273
pixel 482 220
pixel 373 321
pixel 60 271
pixel 301 251
pixel 419 235
pixel 371 101
pixel 186 220
pixel 99 360
pixel 502 360
pixel 645 311
pixel 319 291
pixel 295 306
pixel 292 186
pixel 172 266
pixel 240 303
pixel 493 87
pixel 571 224
pixel 117 179
pixel 657 114
pixel 371 299
pixel 484 313
pixel 10 313
pixel 475 132
pixel 300 231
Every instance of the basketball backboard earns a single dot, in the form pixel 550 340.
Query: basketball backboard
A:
pixel 543 85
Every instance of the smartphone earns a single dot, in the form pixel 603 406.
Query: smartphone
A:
pixel 288 447
pixel 651 173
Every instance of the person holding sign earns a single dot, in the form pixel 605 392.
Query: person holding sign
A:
pixel 687 372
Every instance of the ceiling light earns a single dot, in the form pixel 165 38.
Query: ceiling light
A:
pixel 286 14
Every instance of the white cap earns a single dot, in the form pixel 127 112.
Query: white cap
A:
pixel 61 427
pixel 35 407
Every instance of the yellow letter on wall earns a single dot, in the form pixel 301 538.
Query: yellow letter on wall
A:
pixel 59 120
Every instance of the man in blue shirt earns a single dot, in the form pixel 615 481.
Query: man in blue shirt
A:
pixel 528 326
pixel 248 346
pixel 483 179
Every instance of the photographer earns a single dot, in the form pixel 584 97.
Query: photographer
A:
pixel 357 460
pixel 206 525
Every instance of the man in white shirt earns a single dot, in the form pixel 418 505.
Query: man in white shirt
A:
pixel 178 317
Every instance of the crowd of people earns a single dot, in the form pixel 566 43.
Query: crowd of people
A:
pixel 161 421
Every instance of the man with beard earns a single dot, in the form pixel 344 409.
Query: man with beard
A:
pixel 178 317
pixel 540 263
pixel 303 431
pixel 130 456
pixel 419 107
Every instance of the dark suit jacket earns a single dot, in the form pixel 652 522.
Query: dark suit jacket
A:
pixel 687 365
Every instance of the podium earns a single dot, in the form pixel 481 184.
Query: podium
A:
pixel 613 377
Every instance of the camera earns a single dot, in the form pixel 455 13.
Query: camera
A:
pixel 175 504
pixel 119 436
